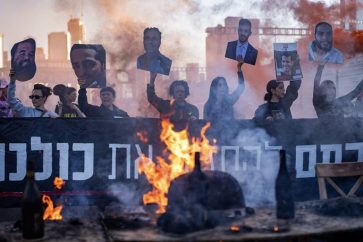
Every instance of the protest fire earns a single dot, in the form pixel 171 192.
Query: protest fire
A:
pixel 181 120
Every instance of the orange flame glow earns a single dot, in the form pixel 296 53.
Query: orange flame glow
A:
pixel 180 160
pixel 142 135
pixel 51 212
pixel 58 182
pixel 234 228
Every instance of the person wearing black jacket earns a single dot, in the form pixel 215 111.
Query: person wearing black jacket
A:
pixel 325 102
pixel 278 102
pixel 107 108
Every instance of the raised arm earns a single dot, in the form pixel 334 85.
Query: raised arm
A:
pixel 353 94
pixel 317 80
pixel 14 103
pixel 235 95
pixel 151 95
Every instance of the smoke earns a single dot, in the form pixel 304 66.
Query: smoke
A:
pixel 258 166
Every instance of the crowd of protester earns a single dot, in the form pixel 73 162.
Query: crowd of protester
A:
pixel 219 105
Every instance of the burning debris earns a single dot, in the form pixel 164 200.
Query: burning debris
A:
pixel 179 151
pixel 200 200
pixel 51 212
pixel 189 201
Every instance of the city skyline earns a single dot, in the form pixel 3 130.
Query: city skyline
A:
pixel 102 17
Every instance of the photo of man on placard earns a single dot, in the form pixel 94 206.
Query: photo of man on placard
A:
pixel 152 60
pixel 241 49
pixel 89 64
pixel 23 59
pixel 321 49
pixel 287 65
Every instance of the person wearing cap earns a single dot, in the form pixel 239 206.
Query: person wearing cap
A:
pixel 5 110
pixel 39 96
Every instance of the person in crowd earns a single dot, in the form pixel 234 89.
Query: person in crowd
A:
pixel 107 109
pixel 278 103
pixel 66 108
pixel 321 49
pixel 39 96
pixel 89 65
pixel 5 110
pixel 241 49
pixel 177 108
pixel 325 102
pixel 219 105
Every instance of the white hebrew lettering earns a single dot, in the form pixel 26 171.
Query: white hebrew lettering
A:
pixel 356 146
pixel 258 156
pixel 139 153
pixel 299 163
pixel 20 161
pixel 327 149
pixel 88 149
pixel 128 159
pixel 236 158
pixel 63 149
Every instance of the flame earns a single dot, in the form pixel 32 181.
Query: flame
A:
pixel 58 182
pixel 234 228
pixel 51 212
pixel 275 229
pixel 142 135
pixel 180 160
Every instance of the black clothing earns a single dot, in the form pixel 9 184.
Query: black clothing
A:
pixel 67 112
pixel 335 108
pixel 280 109
pixel 251 52
pixel 95 111
pixel 169 109
pixel 225 110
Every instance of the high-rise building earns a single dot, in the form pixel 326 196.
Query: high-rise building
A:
pixel 39 54
pixel 1 50
pixel 192 72
pixel 360 15
pixel 5 58
pixel 77 31
pixel 58 46
pixel 351 14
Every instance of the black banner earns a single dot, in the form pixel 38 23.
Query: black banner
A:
pixel 98 158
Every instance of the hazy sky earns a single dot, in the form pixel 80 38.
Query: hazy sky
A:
pixel 187 18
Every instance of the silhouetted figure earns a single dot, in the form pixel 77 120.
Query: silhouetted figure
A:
pixel 177 108
pixel 278 103
pixel 219 105
pixel 39 96
pixel 324 97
